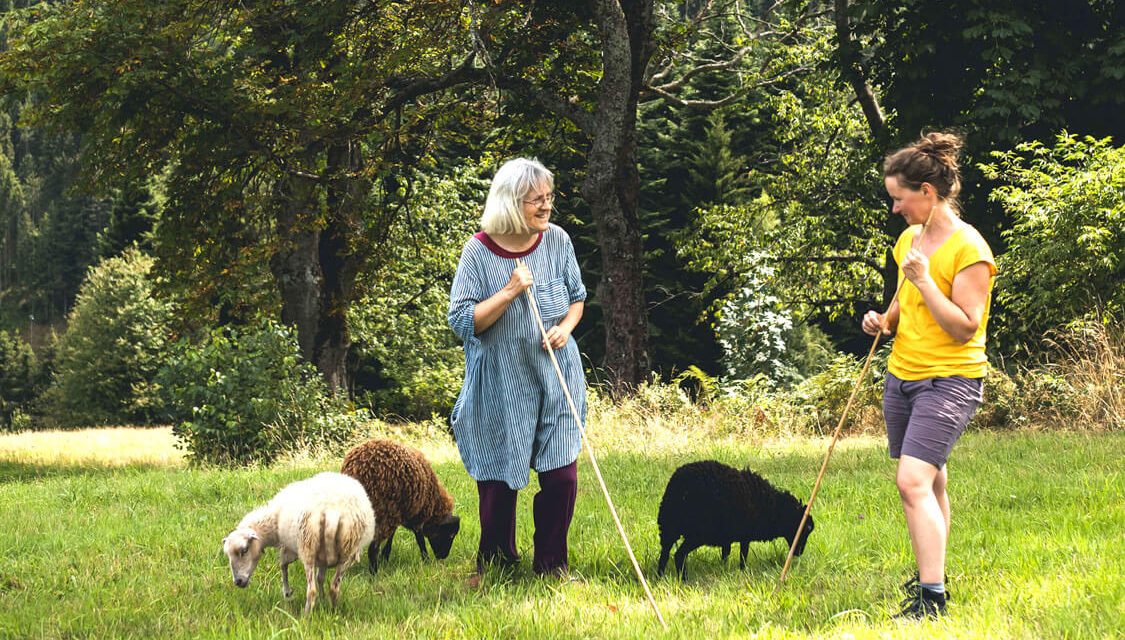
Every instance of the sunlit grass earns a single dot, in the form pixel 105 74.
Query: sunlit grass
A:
pixel 131 549
pixel 114 446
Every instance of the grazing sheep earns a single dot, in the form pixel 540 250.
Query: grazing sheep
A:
pixel 404 491
pixel 710 503
pixel 325 521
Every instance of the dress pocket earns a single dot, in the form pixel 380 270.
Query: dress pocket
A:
pixel 553 299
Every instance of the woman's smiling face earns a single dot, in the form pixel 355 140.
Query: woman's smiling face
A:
pixel 912 204
pixel 537 204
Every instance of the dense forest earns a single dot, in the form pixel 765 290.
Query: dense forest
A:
pixel 283 188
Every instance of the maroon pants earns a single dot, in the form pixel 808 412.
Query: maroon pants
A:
pixel 553 510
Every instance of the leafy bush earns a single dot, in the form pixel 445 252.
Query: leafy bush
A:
pixel 820 400
pixel 1066 247
pixel 114 344
pixel 760 337
pixel 240 396
pixel 19 373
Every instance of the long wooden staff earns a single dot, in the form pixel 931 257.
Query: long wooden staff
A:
pixel 844 416
pixel 590 454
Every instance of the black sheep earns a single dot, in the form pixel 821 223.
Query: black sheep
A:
pixel 710 503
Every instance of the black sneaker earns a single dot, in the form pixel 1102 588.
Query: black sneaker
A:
pixel 926 604
pixel 912 585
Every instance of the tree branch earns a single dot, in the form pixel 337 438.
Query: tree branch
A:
pixel 864 260
pixel 853 72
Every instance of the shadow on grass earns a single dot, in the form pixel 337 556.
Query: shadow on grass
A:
pixel 12 471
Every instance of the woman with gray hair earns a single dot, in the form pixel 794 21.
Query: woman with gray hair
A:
pixel 512 414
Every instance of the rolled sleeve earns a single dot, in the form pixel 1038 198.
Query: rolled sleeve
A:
pixel 572 275
pixel 464 295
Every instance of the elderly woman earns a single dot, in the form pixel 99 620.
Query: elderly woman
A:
pixel 512 414
pixel 937 365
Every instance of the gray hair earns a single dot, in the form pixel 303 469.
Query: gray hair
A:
pixel 503 210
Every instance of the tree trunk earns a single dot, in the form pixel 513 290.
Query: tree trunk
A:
pixel 339 263
pixel 612 188
pixel 315 266
pixel 296 264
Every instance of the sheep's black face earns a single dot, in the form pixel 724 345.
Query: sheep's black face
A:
pixel 804 536
pixel 441 535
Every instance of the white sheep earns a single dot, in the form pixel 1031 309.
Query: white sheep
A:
pixel 326 521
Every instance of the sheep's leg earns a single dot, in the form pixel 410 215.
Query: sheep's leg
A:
pixel 387 548
pixel 321 572
pixel 686 547
pixel 373 556
pixel 665 549
pixel 334 588
pixel 286 557
pixel 310 585
pixel 743 548
pixel 421 539
pixel 726 552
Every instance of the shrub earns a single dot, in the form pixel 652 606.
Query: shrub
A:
pixel 819 401
pixel 1066 246
pixel 114 344
pixel 760 337
pixel 240 396
pixel 1079 383
pixel 19 372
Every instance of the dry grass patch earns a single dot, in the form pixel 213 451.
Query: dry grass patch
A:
pixel 110 446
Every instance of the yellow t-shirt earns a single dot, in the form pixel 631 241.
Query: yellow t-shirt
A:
pixel 922 349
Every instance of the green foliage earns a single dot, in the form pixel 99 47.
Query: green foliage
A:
pixel 817 217
pixel 19 377
pixel 410 362
pixel 113 345
pixel 821 399
pixel 280 133
pixel 1066 247
pixel 244 395
pixel 1004 69
pixel 760 337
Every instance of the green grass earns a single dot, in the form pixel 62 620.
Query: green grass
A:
pixel 90 549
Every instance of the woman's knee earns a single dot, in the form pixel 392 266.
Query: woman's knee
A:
pixel 563 478
pixel 915 480
pixel 941 480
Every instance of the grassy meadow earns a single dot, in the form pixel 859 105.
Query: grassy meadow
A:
pixel 108 534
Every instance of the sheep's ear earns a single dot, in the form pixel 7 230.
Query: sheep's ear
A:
pixel 253 535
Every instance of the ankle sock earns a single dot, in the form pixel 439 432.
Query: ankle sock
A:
pixel 935 587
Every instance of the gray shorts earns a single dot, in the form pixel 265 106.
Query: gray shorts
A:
pixel 925 417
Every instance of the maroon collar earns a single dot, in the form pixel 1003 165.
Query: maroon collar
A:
pixel 487 241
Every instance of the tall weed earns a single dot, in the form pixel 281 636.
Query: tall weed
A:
pixel 1079 383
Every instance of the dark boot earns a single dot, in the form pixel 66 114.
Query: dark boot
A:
pixel 926 604
pixel 912 585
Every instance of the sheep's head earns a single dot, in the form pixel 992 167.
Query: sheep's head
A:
pixel 244 548
pixel 441 533
pixel 804 533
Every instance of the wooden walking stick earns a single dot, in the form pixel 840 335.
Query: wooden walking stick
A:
pixel 590 454
pixel 843 417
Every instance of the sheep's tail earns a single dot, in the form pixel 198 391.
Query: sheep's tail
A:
pixel 331 526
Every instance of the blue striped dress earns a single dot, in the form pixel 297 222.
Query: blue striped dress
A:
pixel 511 414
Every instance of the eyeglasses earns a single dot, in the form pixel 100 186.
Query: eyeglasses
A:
pixel 547 198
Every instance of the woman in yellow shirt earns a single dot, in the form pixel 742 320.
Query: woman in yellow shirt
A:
pixel 935 373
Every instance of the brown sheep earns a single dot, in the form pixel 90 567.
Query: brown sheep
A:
pixel 403 490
